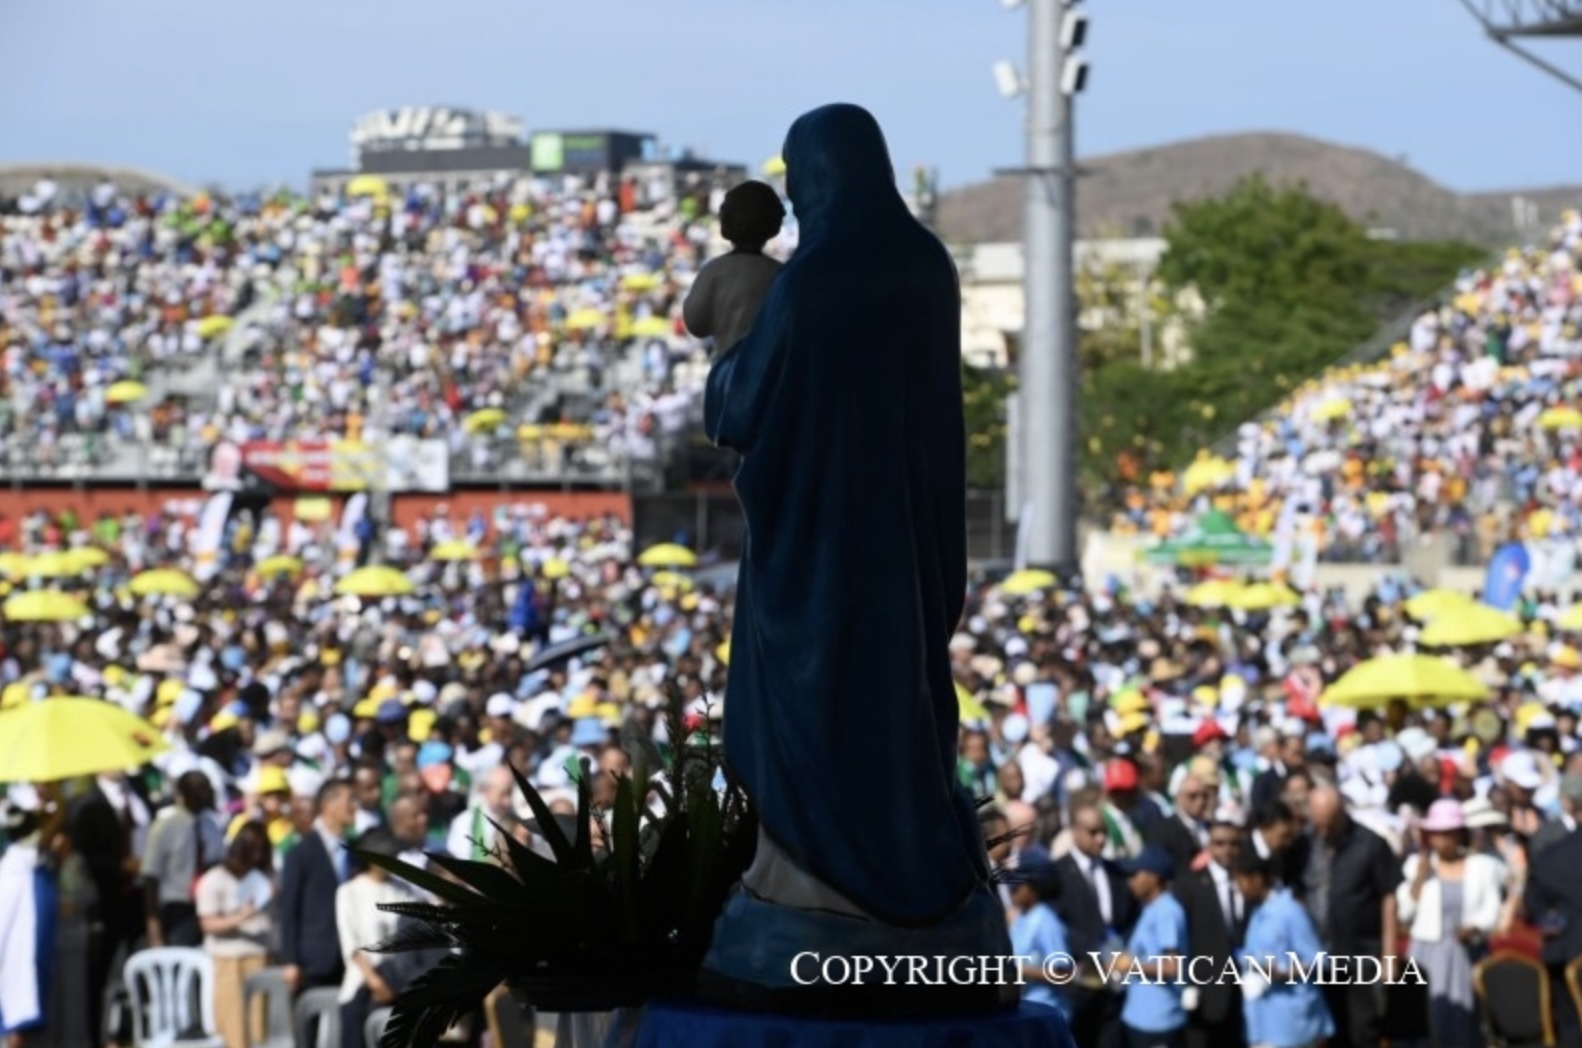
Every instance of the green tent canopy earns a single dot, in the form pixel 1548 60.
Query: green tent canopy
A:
pixel 1212 539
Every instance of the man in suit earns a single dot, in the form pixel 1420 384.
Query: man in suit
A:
pixel 1098 910
pixel 1216 922
pixel 1553 902
pixel 107 826
pixel 310 945
pixel 1183 834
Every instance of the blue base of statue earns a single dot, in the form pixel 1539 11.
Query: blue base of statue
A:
pixel 691 1025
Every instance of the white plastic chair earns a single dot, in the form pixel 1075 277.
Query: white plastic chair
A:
pixel 163 984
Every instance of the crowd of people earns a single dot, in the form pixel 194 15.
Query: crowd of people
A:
pixel 1458 432
pixel 420 313
pixel 1137 751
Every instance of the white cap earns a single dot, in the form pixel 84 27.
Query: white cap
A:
pixel 500 705
pixel 1416 743
pixel 1520 769
pixel 304 781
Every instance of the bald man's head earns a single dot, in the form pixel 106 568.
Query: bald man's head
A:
pixel 1325 808
pixel 1022 817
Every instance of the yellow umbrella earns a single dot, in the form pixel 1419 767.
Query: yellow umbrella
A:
pixel 672 580
pixel 1027 581
pixel 723 652
pixel 1571 619
pixel 208 327
pixel 652 327
pixel 14 565
pixel 775 166
pixel 312 508
pixel 484 421
pixel 45 606
pixel 1473 624
pixel 1425 679
pixel 585 320
pixel 640 281
pixel 1560 418
pixel 968 707
pixel 280 564
pixel 1262 596
pixel 1430 604
pixel 368 186
pixel 68 736
pixel 1215 593
pixel 125 392
pixel 455 549
pixel 164 582
pixel 555 568
pixel 1207 472
pixel 88 557
pixel 56 564
pixel 1330 410
pixel 668 555
pixel 376 580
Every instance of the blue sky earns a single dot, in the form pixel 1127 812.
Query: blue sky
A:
pixel 248 92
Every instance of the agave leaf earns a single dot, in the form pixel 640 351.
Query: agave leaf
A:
pixel 703 856
pixel 582 846
pixel 473 915
pixel 535 872
pixel 435 885
pixel 624 853
pixel 548 827
pixel 663 892
pixel 415 935
pixel 983 802
pixel 453 988
pixel 485 878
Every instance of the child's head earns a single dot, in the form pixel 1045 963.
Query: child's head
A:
pixel 751 215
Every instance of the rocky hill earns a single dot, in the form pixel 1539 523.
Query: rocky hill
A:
pixel 1131 193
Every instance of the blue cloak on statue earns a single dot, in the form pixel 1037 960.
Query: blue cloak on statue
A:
pixel 845 402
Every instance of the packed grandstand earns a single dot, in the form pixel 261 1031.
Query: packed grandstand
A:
pixel 533 325
pixel 530 327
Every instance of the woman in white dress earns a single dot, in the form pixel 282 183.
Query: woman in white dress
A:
pixel 361 923
pixel 235 909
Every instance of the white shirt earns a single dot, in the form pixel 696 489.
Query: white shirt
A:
pixel 1223 884
pixel 120 797
pixel 361 923
pixel 1093 870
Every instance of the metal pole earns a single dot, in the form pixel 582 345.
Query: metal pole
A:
pixel 1049 361
pixel 1147 316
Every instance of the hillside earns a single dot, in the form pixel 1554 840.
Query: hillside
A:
pixel 1129 194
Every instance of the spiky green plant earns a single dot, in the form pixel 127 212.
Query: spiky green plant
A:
pixel 590 929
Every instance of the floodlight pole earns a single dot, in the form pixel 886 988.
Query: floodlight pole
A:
pixel 1050 377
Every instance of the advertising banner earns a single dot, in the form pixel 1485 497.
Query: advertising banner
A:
pixel 402 464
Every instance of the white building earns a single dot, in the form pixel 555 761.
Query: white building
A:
pixel 992 300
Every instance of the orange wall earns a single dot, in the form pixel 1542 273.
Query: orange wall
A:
pixel 90 502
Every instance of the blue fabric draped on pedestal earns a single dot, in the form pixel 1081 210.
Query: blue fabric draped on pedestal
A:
pixel 845 402
pixel 683 1025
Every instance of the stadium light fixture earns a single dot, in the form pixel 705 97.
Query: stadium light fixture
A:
pixel 1011 5
pixel 1073 30
pixel 1008 80
pixel 1074 76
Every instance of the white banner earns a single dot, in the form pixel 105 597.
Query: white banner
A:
pixel 416 465
pixel 208 535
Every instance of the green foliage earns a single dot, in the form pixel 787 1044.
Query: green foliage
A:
pixel 597 926
pixel 1291 285
pixel 984 392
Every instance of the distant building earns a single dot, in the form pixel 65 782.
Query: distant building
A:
pixel 993 306
pixel 454 148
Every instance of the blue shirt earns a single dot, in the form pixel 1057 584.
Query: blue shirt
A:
pixel 1037 934
pixel 1286 1014
pixel 1154 1005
